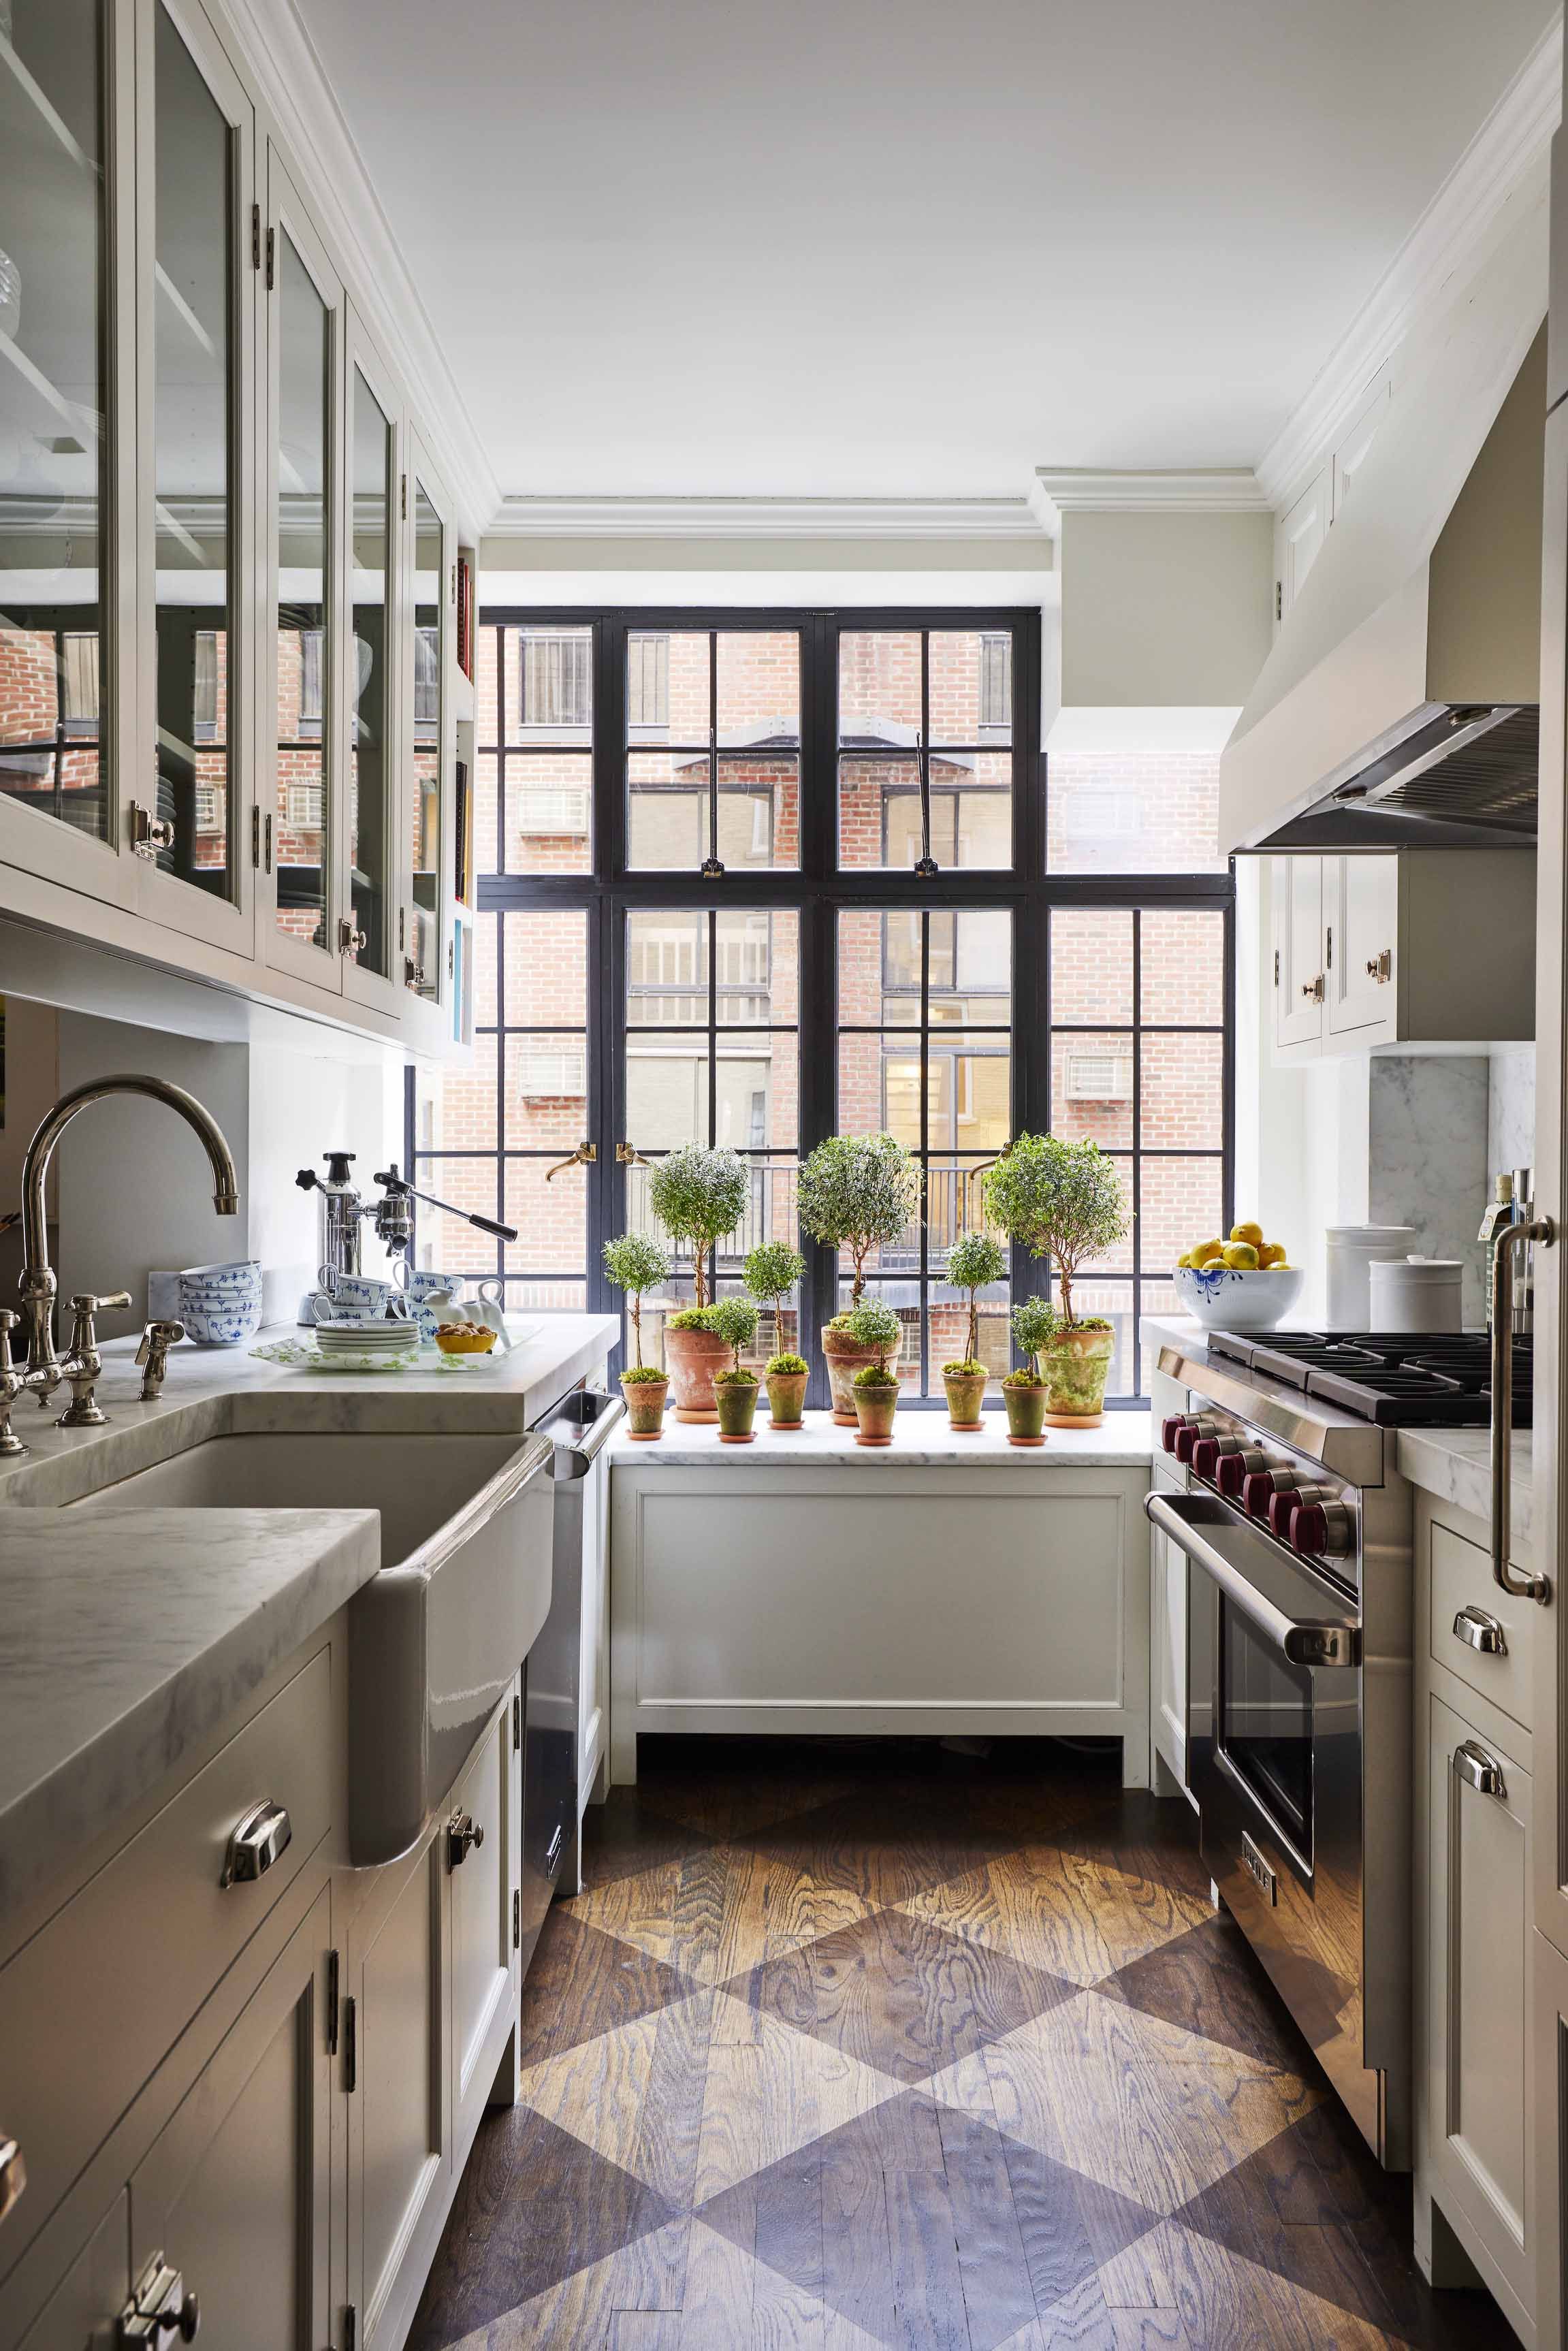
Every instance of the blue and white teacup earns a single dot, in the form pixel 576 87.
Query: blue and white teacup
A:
pixel 220 1305
pixel 430 1294
pixel 356 1297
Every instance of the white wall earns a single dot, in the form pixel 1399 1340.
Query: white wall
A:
pixel 1165 608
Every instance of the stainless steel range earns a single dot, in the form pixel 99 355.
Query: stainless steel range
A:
pixel 1298 1531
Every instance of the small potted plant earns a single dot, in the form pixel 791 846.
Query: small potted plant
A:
pixel 733 1319
pixel 974 1262
pixel 1024 1393
pixel 1064 1201
pixel 875 1327
pixel 856 1190
pixel 772 1270
pixel 635 1263
pixel 697 1196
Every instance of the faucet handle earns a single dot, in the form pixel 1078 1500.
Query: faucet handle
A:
pixel 153 1355
pixel 12 1380
pixel 84 1302
pixel 83 1363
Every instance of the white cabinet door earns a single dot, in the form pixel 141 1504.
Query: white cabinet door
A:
pixel 1167 1641
pixel 1355 447
pixel 83 2312
pixel 480 1891
pixel 1479 2096
pixel 1361 917
pixel 234 2192
pixel 1297 975
pixel 593 1687
pixel 1299 536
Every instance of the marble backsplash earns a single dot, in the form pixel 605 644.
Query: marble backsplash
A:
pixel 1511 1109
pixel 1440 1127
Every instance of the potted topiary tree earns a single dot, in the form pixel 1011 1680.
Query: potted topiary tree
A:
pixel 1024 1393
pixel 635 1263
pixel 733 1319
pixel 856 1190
pixel 771 1272
pixel 698 1194
pixel 875 1327
pixel 974 1262
pixel 1064 1201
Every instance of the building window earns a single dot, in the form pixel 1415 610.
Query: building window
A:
pixel 555 680
pixel 427 680
pixel 648 681
pixel 307 719
pixel 205 714
pixel 80 683
pixel 996 679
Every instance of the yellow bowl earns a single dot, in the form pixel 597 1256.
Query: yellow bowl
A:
pixel 473 1339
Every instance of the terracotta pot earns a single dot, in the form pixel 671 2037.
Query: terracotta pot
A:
pixel 875 1410
pixel 844 1359
pixel 644 1407
pixel 693 1357
pixel 736 1402
pixel 1075 1365
pixel 965 1391
pixel 786 1394
pixel 1026 1413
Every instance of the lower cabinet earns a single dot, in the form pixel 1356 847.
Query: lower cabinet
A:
pixel 1479 2096
pixel 1167 1648
pixel 480 1840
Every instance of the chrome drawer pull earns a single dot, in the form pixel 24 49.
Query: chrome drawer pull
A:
pixel 255 1844
pixel 13 2173
pixel 1478 1631
pixel 1481 1771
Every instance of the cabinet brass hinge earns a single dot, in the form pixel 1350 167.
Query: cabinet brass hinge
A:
pixel 350 2327
pixel 256 833
pixel 1328 948
pixel 1279 600
pixel 255 236
pixel 517 1919
pixel 402 497
pixel 351 2045
pixel 1275 966
pixel 271 258
pixel 332 1975
pixel 517 1726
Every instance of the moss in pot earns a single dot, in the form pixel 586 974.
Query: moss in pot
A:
pixel 635 1263
pixel 875 1328
pixel 856 1192
pixel 770 1273
pixel 733 1319
pixel 698 1195
pixel 974 1263
pixel 1064 1201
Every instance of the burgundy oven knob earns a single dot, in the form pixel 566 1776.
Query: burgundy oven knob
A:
pixel 1282 1508
pixel 1187 1439
pixel 1260 1487
pixel 1210 1451
pixel 1321 1526
pixel 1234 1469
pixel 1170 1430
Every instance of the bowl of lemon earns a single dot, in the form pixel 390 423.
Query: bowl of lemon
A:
pixel 1241 1284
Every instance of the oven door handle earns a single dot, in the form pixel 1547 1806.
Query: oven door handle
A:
pixel 1304 1641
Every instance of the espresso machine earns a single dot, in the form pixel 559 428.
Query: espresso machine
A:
pixel 344 1211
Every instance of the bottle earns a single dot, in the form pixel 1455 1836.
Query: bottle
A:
pixel 1500 1211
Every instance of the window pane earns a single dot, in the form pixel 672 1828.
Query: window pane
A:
pixel 549 685
pixel 193 428
pixel 547 970
pixel 547 1298
pixel 1182 1204
pixel 971 685
pixel 1183 966
pixel 1181 1095
pixel 970 816
pixel 1132 813
pixel 759 689
pixel 487 813
pixel 549 812
pixel 51 402
pixel 454 1103
pixel 423 944
pixel 971 967
pixel 1092 965
pixel 878 687
pixel 1091 1088
pixel 487 644
pixel 485 932
pixel 552 1217
pixel 450 1244
pixel 547 1089
pixel 879 813
pixel 304 426
pixel 759 814
pixel 669 681
pixel 667 814
pixel 954 1202
pixel 370 685
pixel 759 966
pixel 878 967
pixel 667 968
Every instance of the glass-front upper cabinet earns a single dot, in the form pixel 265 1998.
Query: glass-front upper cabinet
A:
pixel 430 766
pixel 375 499
pixel 305 317
pixel 197 342
pixel 56 447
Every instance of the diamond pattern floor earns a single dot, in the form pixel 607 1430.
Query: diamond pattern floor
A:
pixel 866 2045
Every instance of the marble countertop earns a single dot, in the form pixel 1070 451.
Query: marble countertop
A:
pixel 923 1439
pixel 122 1646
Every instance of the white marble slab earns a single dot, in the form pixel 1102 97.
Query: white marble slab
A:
pixel 130 1636
pixel 920 1440
pixel 1455 1464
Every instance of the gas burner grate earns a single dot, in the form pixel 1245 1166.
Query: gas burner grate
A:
pixel 1394 1379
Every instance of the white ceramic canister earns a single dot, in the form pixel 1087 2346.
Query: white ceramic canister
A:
pixel 1416 1293
pixel 1352 1250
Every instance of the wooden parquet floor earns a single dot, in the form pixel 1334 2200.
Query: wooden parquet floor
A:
pixel 859 2044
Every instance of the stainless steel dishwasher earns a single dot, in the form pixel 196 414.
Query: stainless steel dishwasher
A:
pixel 578 1427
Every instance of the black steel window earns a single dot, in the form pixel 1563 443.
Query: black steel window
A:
pixel 754 877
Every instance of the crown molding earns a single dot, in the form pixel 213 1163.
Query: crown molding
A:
pixel 764 518
pixel 280 56
pixel 1511 142
pixel 1083 489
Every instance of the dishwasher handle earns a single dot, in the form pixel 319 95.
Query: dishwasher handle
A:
pixel 1304 1641
pixel 578 1444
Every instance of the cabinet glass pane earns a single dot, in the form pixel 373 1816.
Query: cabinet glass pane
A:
pixel 302 819
pixel 370 784
pixel 423 974
pixel 192 442
pixel 52 404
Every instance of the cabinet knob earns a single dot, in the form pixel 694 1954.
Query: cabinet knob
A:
pixel 1313 988
pixel 351 940
pixel 13 2173
pixel 256 1841
pixel 1379 967
pixel 1479 1769
pixel 462 1830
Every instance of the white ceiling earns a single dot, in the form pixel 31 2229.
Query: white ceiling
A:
pixel 892 247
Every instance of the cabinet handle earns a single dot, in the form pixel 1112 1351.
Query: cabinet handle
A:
pixel 1379 967
pixel 351 940
pixel 1509 1237
pixel 13 2173
pixel 1479 1769
pixel 256 1841
pixel 159 2305
pixel 1313 988
pixel 149 833
pixel 1478 1631
pixel 462 1830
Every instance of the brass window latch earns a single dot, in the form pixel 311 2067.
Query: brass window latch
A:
pixel 585 1156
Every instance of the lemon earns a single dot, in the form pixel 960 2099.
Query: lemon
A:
pixel 1271 1253
pixel 1252 1233
pixel 1185 1260
pixel 1207 1251
pixel 1241 1257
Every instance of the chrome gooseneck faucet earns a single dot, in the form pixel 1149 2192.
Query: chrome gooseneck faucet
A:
pixel 44 1371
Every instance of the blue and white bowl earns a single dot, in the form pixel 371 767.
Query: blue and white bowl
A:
pixel 220 1305
pixel 1231 1297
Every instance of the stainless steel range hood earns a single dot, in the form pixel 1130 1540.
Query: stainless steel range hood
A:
pixel 1398 705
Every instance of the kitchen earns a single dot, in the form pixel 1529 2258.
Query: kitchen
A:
pixel 776 1556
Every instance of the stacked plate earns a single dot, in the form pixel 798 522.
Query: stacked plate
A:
pixel 378 1339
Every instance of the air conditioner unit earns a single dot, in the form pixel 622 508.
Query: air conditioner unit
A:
pixel 551 1076
pixel 550 810
pixel 304 808
pixel 1099 1077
